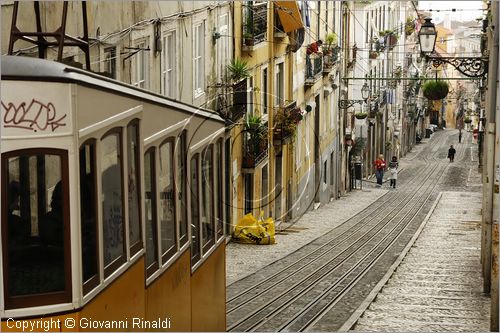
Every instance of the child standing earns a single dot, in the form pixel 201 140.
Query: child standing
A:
pixel 393 169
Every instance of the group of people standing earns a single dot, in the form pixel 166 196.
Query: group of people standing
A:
pixel 381 165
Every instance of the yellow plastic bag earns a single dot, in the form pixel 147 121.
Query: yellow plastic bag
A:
pixel 250 231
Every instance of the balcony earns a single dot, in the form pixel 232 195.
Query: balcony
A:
pixel 330 59
pixel 238 108
pixel 391 39
pixel 255 28
pixel 286 120
pixel 255 148
pixel 314 68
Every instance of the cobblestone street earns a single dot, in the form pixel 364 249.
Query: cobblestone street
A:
pixel 439 275
pixel 437 286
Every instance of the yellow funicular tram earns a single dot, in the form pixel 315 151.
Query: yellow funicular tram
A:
pixel 111 214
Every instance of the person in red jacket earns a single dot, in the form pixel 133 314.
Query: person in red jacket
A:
pixel 380 166
pixel 314 47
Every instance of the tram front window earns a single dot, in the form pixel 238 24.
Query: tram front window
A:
pixel 37 218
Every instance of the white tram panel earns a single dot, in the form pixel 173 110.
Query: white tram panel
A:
pixel 36 114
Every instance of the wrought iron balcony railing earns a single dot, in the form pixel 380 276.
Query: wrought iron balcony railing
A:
pixel 239 107
pixel 330 59
pixel 255 147
pixel 255 28
pixel 286 120
pixel 314 67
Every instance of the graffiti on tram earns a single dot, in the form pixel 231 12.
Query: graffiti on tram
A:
pixel 35 116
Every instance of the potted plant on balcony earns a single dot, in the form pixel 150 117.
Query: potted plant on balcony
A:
pixel 373 54
pixel 238 69
pixel 467 120
pixel 285 123
pixel 435 89
pixel 330 50
pixel 248 39
pixel 391 38
pixel 409 26
pixel 361 115
pixel 330 42
pixel 255 139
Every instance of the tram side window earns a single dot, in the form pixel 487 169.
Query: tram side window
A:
pixel 112 201
pixel 181 186
pixel 36 234
pixel 150 207
pixel 133 187
pixel 167 200
pixel 220 199
pixel 88 216
pixel 207 192
pixel 195 216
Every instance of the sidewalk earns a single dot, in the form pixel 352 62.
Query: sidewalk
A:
pixel 437 286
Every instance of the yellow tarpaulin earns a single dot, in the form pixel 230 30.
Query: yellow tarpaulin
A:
pixel 289 14
pixel 250 231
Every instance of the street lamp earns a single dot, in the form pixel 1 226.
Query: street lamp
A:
pixel 468 66
pixel 427 36
pixel 365 94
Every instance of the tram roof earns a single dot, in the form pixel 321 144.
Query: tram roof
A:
pixel 34 69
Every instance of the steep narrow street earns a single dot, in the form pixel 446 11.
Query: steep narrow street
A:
pixel 330 281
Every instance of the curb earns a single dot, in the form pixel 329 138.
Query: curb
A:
pixel 373 294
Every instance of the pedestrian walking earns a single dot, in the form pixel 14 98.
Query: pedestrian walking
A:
pixel 460 137
pixel 393 169
pixel 451 153
pixel 379 169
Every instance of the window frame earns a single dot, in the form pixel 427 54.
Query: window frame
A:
pixel 198 57
pixel 196 257
pixel 137 246
pixel 219 189
pixel 223 46
pixel 97 130
pixel 90 284
pixel 279 83
pixel 116 263
pixel 197 149
pixel 210 192
pixel 175 132
pixel 264 83
pixel 181 145
pixel 110 60
pixel 152 268
pixel 164 87
pixel 170 253
pixel 141 65
pixel 16 302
